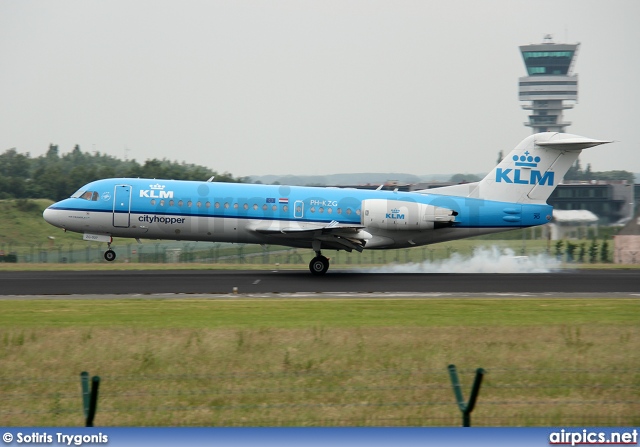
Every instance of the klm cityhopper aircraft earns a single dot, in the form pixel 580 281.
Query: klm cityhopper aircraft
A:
pixel 511 196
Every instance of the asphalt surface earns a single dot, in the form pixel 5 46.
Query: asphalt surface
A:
pixel 277 282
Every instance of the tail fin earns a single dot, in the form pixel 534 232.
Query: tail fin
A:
pixel 531 172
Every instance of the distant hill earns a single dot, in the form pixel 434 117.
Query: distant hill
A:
pixel 22 224
pixel 363 178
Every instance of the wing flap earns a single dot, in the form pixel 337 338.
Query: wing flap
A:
pixel 347 237
pixel 308 228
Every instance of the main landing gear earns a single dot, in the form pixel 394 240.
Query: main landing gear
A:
pixel 319 265
pixel 110 255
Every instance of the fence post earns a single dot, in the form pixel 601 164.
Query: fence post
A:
pixel 467 408
pixel 89 397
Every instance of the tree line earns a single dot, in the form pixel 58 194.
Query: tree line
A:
pixel 594 253
pixel 54 176
pixel 576 172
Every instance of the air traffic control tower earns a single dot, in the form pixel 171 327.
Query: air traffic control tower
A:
pixel 549 83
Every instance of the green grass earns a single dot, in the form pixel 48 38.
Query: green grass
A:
pixel 304 313
pixel 354 362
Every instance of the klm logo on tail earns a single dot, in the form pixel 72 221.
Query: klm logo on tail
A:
pixel 525 176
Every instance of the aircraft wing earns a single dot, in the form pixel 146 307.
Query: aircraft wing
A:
pixel 334 234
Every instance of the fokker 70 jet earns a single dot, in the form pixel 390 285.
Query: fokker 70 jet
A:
pixel 513 195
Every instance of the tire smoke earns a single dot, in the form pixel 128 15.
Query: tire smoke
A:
pixel 483 260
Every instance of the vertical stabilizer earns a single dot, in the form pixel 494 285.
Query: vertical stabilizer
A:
pixel 531 172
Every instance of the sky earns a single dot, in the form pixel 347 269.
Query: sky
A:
pixel 308 87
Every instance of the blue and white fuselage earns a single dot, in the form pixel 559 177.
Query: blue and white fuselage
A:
pixel 236 212
pixel 317 218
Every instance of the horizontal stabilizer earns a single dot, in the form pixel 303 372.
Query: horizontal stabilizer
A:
pixel 578 143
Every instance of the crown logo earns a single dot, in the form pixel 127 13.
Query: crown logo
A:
pixel 526 160
pixel 395 210
pixel 157 186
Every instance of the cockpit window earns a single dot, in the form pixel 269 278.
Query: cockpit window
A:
pixel 85 195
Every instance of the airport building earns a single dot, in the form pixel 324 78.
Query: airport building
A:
pixel 611 200
pixel 626 244
pixel 548 84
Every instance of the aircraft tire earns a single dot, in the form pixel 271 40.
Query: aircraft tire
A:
pixel 110 255
pixel 319 265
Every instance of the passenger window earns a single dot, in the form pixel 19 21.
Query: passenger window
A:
pixel 226 205
pixel 208 204
pixel 274 208
pixel 180 202
pixel 235 206
pixel 245 206
pixel 199 204
pixel 217 205
pixel 285 208
pixel 162 202
pixel 264 207
pixel 189 203
pixel 153 201
pixel 170 202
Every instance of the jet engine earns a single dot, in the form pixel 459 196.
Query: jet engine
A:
pixel 404 215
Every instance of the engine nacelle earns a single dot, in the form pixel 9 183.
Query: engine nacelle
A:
pixel 403 215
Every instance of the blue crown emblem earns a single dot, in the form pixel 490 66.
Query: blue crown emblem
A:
pixel 395 210
pixel 526 160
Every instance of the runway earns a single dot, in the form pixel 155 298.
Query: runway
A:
pixel 246 282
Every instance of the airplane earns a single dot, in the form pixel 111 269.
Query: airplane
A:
pixel 513 195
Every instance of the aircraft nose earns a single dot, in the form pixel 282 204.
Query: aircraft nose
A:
pixel 50 216
pixel 47 214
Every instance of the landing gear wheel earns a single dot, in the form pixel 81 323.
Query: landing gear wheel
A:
pixel 319 265
pixel 110 255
